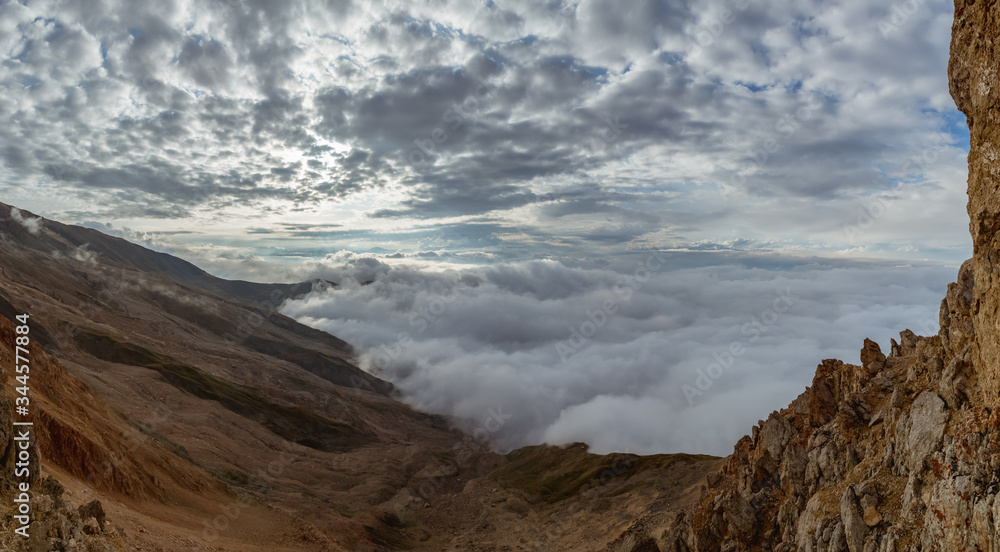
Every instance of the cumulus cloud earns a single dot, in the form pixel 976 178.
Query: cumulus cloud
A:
pixel 31 224
pixel 84 255
pixel 603 355
pixel 515 128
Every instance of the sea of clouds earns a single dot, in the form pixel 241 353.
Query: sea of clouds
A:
pixel 650 353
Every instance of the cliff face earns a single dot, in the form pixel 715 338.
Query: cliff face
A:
pixel 896 454
pixel 901 453
pixel 972 74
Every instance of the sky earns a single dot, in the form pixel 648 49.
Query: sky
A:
pixel 505 173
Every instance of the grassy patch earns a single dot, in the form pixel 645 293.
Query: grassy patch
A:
pixel 333 370
pixel 552 474
pixel 163 440
pixel 293 423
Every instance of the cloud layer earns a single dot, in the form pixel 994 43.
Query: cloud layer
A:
pixel 613 356
pixel 521 129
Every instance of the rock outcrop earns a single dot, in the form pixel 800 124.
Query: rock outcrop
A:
pixel 896 454
pixel 55 523
pixel 889 455
pixel 972 71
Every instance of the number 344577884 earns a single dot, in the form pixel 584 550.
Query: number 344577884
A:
pixel 21 360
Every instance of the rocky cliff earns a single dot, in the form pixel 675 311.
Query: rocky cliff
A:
pixel 973 82
pixel 901 453
pixel 896 454
pixel 57 523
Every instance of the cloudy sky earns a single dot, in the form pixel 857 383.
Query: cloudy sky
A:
pixel 503 170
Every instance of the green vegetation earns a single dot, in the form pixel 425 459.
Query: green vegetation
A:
pixel 236 477
pixel 290 422
pixel 334 370
pixel 163 440
pixel 552 474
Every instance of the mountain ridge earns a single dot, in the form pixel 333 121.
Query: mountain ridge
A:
pixel 120 250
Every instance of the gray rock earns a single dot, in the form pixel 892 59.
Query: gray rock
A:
pixel 923 429
pixel 855 529
pixel 949 513
pixel 775 433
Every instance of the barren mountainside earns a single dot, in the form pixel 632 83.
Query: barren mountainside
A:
pixel 177 411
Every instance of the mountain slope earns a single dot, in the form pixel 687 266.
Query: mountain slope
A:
pixel 201 421
pixel 76 240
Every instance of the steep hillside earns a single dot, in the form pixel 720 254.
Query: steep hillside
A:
pixel 199 418
pixel 972 72
pixel 74 240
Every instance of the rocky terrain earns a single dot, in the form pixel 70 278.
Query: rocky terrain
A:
pixel 895 454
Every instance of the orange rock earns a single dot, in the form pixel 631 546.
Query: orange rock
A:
pixel 872 517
